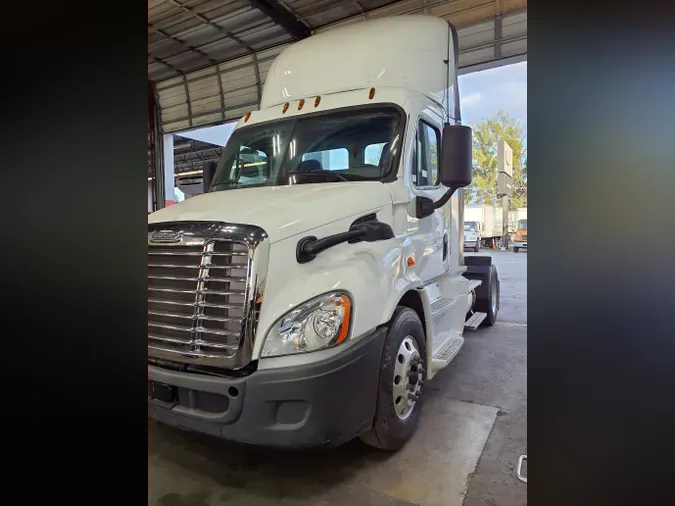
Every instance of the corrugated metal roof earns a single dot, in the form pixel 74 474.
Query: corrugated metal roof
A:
pixel 209 58
pixel 185 35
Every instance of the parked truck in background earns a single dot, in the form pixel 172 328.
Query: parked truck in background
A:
pixel 472 236
pixel 311 303
pixel 520 236
pixel 514 217
pixel 486 220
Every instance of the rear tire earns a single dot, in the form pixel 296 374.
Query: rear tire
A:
pixel 490 306
pixel 391 429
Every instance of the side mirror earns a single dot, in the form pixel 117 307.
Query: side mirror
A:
pixel 208 170
pixel 455 167
pixel 456 152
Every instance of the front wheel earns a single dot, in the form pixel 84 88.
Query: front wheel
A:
pixel 402 374
pixel 516 249
pixel 477 248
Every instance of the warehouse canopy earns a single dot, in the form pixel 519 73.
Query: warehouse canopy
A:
pixel 208 59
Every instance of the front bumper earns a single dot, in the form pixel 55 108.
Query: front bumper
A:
pixel 469 244
pixel 327 402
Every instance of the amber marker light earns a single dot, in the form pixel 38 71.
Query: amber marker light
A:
pixel 344 302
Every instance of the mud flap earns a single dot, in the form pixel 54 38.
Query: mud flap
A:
pixel 480 268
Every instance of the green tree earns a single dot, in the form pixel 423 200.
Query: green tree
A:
pixel 486 137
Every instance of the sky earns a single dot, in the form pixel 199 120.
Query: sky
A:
pixel 217 135
pixel 486 92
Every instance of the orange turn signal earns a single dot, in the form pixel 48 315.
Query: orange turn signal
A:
pixel 301 103
pixel 285 108
pixel 316 101
pixel 344 302
pixel 371 94
pixel 411 261
pixel 248 115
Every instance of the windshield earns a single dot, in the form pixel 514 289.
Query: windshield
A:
pixel 354 145
pixel 522 225
pixel 470 225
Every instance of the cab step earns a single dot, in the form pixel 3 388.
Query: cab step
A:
pixel 474 322
pixel 444 355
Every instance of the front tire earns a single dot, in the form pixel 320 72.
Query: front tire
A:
pixel 516 249
pixel 402 375
pixel 477 248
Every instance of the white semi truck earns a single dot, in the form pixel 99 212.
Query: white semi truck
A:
pixel 482 224
pixel 311 304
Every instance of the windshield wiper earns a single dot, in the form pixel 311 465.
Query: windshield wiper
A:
pixel 225 183
pixel 235 185
pixel 322 174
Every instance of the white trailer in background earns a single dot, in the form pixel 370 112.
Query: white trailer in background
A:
pixel 482 222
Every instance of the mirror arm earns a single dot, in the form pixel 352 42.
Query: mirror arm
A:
pixel 425 206
pixel 309 247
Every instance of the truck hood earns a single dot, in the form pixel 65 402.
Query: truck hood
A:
pixel 282 211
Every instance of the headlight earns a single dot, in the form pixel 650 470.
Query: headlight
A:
pixel 316 324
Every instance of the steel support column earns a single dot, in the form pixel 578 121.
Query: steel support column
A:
pixel 155 144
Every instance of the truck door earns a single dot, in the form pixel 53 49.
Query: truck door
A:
pixel 431 237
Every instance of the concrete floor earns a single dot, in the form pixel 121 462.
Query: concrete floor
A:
pixel 473 428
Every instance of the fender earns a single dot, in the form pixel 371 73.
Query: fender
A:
pixel 400 288
pixel 373 273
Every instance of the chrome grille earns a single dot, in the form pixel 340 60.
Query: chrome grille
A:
pixel 199 289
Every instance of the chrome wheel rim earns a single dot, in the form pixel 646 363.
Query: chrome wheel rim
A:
pixel 408 378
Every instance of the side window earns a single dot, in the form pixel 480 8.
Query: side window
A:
pixel 373 154
pixel 425 163
pixel 330 159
